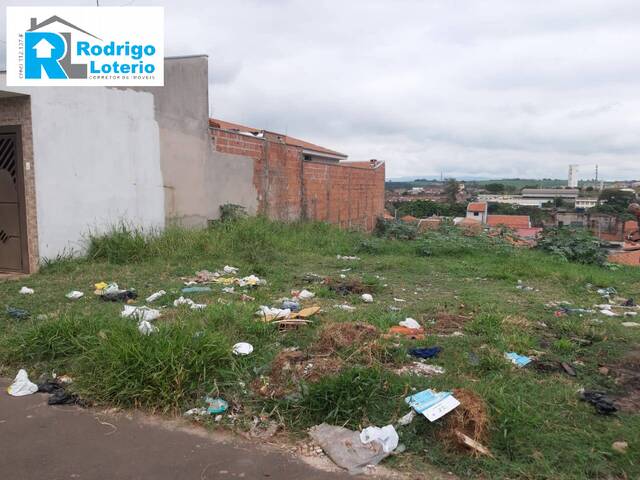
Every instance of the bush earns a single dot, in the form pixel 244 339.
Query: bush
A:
pixel 572 245
pixel 394 229
pixel 452 241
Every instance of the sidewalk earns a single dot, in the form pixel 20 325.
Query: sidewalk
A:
pixel 66 442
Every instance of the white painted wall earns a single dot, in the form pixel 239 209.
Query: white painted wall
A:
pixel 97 163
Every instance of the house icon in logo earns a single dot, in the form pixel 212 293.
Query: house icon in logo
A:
pixel 49 52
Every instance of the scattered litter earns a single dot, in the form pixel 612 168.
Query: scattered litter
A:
pixel 603 404
pixel 345 448
pixel 620 447
pixel 101 286
pixel 187 301
pixel 399 300
pixel 393 308
pixel 27 291
pixel 74 295
pixel 386 436
pixel 345 307
pixel 21 385
pixel 140 313
pixel 230 270
pixel 242 348
pixel 419 368
pixel 117 295
pixel 17 312
pixel 302 294
pixel 608 313
pixel 146 328
pixel 432 404
pixel 407 419
pixel 412 333
pixel 347 257
pixel 471 443
pixel 246 298
pixel 410 323
pixel 216 405
pixel 517 359
pixel 228 290
pixel 251 281
pixel 307 312
pixel 196 289
pixel 630 302
pixel 57 391
pixel 523 287
pixel 607 292
pixel 427 352
pixel 291 305
pixel 367 298
pixel 196 412
pixel 154 296
pixel 630 314
pixel 630 324
pixel 268 313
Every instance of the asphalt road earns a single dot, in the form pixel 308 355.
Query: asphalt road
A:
pixel 38 441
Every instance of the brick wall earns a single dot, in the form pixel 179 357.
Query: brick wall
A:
pixel 347 194
pixel 17 111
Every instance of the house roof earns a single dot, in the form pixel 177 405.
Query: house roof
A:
pixel 296 142
pixel 477 207
pixel 510 221
pixel 551 192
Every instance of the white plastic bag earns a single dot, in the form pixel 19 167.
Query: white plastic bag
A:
pixel 410 323
pixel 242 348
pixel 74 295
pixel 26 291
pixel 154 296
pixel 21 385
pixel 385 436
pixel 367 298
pixel 140 313
pixel 146 328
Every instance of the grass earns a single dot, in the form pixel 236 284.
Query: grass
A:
pixel 538 427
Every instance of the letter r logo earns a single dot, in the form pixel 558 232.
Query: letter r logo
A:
pixel 43 50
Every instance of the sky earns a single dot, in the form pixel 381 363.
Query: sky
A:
pixel 485 88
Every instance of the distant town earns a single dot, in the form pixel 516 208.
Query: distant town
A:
pixel 525 206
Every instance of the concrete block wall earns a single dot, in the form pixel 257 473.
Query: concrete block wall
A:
pixel 345 194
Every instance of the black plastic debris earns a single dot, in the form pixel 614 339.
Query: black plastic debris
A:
pixel 629 303
pixel 18 313
pixel 58 393
pixel 603 404
pixel 119 296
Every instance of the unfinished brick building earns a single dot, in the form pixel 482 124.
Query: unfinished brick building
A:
pixel 295 179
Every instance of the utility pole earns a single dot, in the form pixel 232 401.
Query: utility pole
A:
pixel 596 175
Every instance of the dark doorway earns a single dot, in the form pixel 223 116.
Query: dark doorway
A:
pixel 13 233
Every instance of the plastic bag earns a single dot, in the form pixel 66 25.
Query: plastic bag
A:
pixel 21 385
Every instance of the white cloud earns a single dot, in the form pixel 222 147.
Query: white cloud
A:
pixel 495 88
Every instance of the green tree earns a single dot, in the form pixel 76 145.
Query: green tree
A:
pixel 451 189
pixel 494 188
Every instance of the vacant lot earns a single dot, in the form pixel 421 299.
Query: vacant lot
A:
pixel 348 374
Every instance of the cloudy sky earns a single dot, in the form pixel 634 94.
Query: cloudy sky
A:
pixel 490 88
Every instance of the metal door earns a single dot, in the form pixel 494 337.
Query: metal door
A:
pixel 11 203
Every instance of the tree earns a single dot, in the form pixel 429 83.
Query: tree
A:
pixel 451 189
pixel 615 201
pixel 494 188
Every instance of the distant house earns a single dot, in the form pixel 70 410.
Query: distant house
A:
pixel 509 221
pixel 477 211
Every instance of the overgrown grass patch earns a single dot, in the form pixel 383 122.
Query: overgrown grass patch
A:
pixel 537 427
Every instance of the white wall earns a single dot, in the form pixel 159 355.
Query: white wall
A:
pixel 97 163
